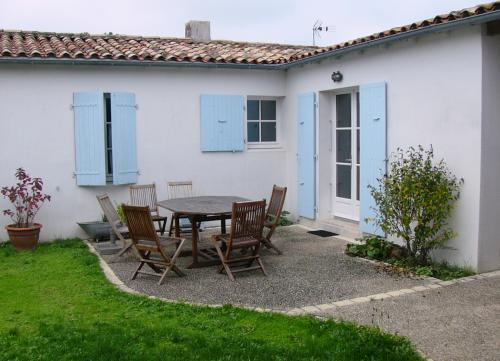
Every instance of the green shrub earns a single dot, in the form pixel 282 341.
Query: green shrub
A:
pixel 444 271
pixel 373 247
pixel 284 221
pixel 424 271
pixel 414 201
pixel 121 213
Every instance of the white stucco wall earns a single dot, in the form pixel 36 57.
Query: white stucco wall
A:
pixel 433 97
pixel 489 234
pixel 36 132
pixel 434 87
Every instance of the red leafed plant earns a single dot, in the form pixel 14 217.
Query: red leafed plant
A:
pixel 26 197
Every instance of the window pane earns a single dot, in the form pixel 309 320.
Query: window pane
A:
pixel 344 181
pixel 357 183
pixel 344 146
pixel 253 131
pixel 268 109
pixel 108 135
pixel 357 109
pixel 343 102
pixel 109 159
pixel 268 131
pixel 253 110
pixel 358 147
pixel 108 108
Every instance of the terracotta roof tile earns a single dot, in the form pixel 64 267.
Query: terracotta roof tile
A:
pixel 21 44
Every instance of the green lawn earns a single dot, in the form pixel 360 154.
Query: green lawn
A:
pixel 55 304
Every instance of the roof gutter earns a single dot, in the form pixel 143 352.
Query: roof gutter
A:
pixel 481 18
pixel 139 63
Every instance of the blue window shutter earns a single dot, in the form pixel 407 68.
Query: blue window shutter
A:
pixel 123 130
pixel 305 155
pixel 222 123
pixel 88 109
pixel 373 121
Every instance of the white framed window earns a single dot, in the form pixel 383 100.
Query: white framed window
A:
pixel 262 127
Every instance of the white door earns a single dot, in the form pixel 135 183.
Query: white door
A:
pixel 346 155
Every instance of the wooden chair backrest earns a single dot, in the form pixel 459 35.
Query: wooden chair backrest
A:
pixel 276 204
pixel 109 210
pixel 181 189
pixel 141 227
pixel 144 195
pixel 247 220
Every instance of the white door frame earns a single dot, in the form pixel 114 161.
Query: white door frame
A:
pixel 343 207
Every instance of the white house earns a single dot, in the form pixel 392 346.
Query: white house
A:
pixel 92 114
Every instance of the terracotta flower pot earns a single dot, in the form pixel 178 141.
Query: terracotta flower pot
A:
pixel 24 239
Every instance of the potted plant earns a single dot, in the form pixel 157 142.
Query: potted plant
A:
pixel 26 198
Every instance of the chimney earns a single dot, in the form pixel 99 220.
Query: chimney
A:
pixel 198 30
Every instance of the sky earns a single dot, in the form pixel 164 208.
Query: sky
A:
pixel 277 21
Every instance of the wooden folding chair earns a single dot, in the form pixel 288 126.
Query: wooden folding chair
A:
pixel 247 223
pixel 182 189
pixel 119 229
pixel 145 195
pixel 273 216
pixel 151 247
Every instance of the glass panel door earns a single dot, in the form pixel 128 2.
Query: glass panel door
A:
pixel 346 158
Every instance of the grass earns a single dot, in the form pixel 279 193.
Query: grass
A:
pixel 55 304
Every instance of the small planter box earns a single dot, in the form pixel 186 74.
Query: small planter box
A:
pixel 98 231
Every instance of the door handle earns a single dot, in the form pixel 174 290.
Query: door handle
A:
pixel 222 121
pixel 301 183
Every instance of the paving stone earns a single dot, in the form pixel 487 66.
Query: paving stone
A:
pixel 433 286
pixel 326 306
pixel 447 283
pixel 420 288
pixel 343 303
pixel 311 309
pixel 395 293
pixel 407 290
pixel 360 299
pixel 296 311
pixel 380 296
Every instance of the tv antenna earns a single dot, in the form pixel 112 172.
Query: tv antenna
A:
pixel 318 27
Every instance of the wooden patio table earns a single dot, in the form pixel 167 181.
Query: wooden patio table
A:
pixel 201 209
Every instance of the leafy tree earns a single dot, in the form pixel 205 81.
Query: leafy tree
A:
pixel 415 199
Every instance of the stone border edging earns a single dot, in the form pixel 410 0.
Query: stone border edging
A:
pixel 316 309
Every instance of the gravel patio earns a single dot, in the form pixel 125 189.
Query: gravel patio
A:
pixel 312 271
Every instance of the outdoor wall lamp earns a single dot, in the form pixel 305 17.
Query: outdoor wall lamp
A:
pixel 337 76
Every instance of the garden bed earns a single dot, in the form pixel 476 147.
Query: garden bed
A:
pixel 394 258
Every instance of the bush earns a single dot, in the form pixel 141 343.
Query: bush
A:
pixel 373 247
pixel 284 221
pixel 121 213
pixel 415 200
pixel 444 271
